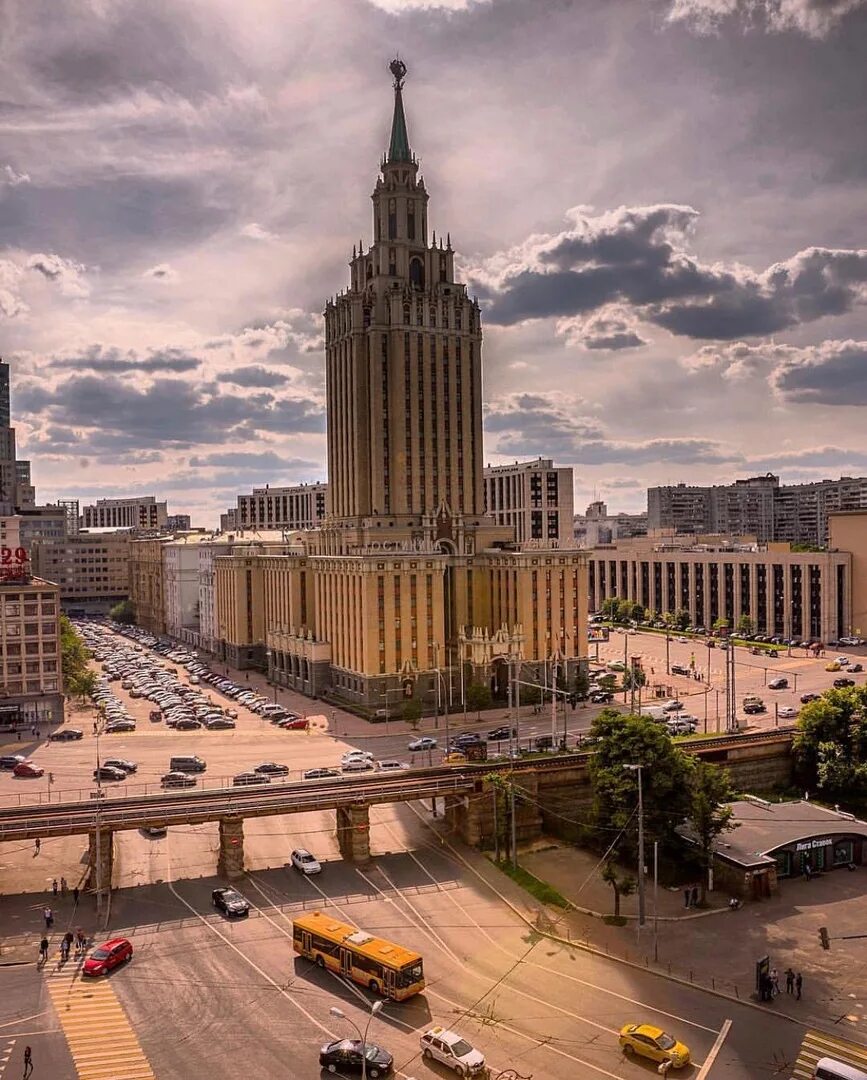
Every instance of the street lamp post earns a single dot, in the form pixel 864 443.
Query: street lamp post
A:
pixel 98 875
pixel 641 907
pixel 375 1007
pixel 269 672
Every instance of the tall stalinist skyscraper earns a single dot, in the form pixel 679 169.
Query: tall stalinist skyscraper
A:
pixel 408 588
pixel 403 346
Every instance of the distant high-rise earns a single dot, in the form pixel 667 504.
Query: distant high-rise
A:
pixel 143 512
pixel 16 490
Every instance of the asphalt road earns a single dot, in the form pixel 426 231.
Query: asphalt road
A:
pixel 209 997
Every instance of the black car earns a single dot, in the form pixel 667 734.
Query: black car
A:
pixel 272 768
pixel 754 707
pixel 177 779
pixel 9 761
pixel 122 764
pixel 320 774
pixel 807 698
pixel 229 902
pixel 250 778
pixel 840 683
pixel 66 735
pixel 344 1056
pixel 679 669
pixel 467 738
pixel 500 733
pixel 601 697
pixel 109 772
pixel 187 725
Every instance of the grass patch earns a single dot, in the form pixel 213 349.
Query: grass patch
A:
pixel 614 920
pixel 541 890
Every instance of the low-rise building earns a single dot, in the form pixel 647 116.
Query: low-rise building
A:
pixel 181 586
pixel 178 523
pixel 596 526
pixel 134 513
pixel 30 668
pixel 92 569
pixel 793 594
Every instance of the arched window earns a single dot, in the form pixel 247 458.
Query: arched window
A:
pixel 442 267
pixel 416 275
pixel 392 219
pixel 410 219
pixel 392 262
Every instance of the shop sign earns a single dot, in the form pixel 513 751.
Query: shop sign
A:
pixel 14 565
pixel 807 845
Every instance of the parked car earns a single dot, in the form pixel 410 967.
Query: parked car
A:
pixel 122 764
pixel 108 772
pixel 68 734
pixel 320 774
pixel 840 684
pixel 392 766
pixel 453 1051
pixel 292 723
pixel 302 860
pixel 855 667
pixel 250 778
pixel 108 956
pixel 28 769
pixel 753 707
pixel 230 902
pixel 177 780
pixel 9 761
pixel 807 698
pixel 271 768
pixel 786 712
pixel 357 764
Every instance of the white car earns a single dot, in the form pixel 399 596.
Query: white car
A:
pixel 843 661
pixel 787 712
pixel 672 706
pixel 302 860
pixel 351 754
pixel 391 766
pixel 453 1051
pixel 357 764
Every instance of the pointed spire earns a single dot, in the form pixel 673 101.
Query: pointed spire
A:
pixel 448 241
pixel 434 238
pixel 398 147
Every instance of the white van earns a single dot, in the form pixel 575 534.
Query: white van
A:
pixel 657 713
pixel 831 1069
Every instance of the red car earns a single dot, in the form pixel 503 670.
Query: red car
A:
pixel 108 956
pixel 297 723
pixel 28 768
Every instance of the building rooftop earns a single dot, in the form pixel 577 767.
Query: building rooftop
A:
pixel 764 827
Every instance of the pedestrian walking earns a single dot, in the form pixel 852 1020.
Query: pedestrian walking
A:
pixel 799 982
pixel 68 939
pixel 43 950
pixel 54 886
pixel 64 888
pixel 80 940
pixel 48 915
pixel 775 981
pixel 75 895
pixel 64 951
pixel 694 897
pixel 686 897
pixel 790 981
pixel 37 844
pixel 28 1062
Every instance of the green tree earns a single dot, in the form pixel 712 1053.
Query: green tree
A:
pixel 639 613
pixel 581 685
pixel 610 608
pixel 721 624
pixel 668 619
pixel 681 619
pixel 745 625
pixel 83 685
pixel 412 712
pixel 73 654
pixel 622 884
pixel 624 610
pixel 709 817
pixel 830 743
pixel 478 698
pixel 124 612
pixel 634 677
pixel 637 740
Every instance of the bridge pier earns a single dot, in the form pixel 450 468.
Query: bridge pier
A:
pixel 353 832
pixel 230 863
pixel 100 859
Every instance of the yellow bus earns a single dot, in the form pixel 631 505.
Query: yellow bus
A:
pixel 380 965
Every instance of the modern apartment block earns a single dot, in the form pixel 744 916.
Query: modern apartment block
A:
pixel 178 523
pixel 141 513
pixel 91 569
pixel 299 507
pixel 759 506
pixel 534 498
pixel 803 595
pixel 30 669
pixel 597 526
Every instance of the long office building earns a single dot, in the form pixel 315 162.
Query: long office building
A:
pixel 803 595
pixel 299 507
pixel 758 506
pixel 534 498
pixel 91 569
pixel 136 513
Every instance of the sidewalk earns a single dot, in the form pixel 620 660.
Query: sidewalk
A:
pixel 718 949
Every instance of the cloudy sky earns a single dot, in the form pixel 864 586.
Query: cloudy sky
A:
pixel 659 203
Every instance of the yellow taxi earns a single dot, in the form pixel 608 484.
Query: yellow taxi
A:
pixel 833 666
pixel 654 1043
pixel 455 758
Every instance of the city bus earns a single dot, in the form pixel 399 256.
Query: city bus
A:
pixel 380 965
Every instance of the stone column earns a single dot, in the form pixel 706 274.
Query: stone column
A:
pixel 106 859
pixel 353 832
pixel 230 863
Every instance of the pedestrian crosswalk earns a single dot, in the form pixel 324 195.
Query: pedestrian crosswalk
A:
pixel 818 1044
pixel 97 1029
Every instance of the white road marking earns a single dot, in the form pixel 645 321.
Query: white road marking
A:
pixel 714 1051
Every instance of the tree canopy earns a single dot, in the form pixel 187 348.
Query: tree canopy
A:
pixel 73 654
pixel 831 743
pixel 478 697
pixel 710 789
pixel 124 612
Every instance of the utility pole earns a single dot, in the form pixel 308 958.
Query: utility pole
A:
pixel 514 824
pixel 641 898
pixel 496 825
pixel 553 699
pixel 655 901
pixel 667 654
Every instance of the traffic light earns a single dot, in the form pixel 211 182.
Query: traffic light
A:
pixel 823 937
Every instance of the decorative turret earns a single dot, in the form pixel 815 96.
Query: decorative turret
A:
pixel 398 147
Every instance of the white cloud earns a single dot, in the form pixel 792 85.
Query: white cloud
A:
pixel 610 329
pixel 67 274
pixel 10 178
pixel 402 7
pixel 815 18
pixel 254 231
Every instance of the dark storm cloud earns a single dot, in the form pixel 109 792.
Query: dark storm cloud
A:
pixel 538 425
pixel 834 373
pixel 166 413
pixel 255 375
pixel 100 358
pixel 636 256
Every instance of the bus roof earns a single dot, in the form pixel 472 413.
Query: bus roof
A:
pixel 386 952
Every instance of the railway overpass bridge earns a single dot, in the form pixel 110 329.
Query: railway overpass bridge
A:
pixel 756 761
